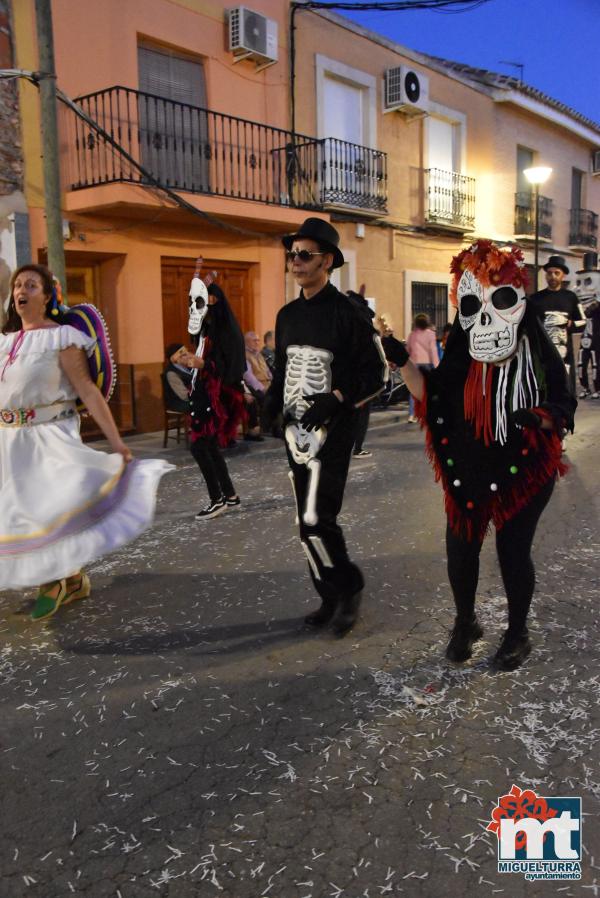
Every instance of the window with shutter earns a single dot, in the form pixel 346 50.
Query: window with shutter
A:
pixel 173 118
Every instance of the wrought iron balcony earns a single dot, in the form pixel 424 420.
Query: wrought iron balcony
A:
pixel 197 150
pixel 450 199
pixel 583 230
pixel 525 216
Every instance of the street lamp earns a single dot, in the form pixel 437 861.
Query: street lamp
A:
pixel 536 176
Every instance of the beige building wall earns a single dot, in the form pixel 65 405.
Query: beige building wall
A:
pixel 397 249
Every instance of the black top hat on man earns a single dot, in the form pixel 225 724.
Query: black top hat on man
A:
pixel 556 262
pixel 322 233
pixel 590 263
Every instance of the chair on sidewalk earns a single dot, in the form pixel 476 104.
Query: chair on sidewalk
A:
pixel 174 420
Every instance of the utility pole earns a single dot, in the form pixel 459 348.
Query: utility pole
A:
pixel 56 251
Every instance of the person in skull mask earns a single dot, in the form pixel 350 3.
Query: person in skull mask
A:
pixel 216 398
pixel 560 312
pixel 328 362
pixel 494 411
pixel 587 290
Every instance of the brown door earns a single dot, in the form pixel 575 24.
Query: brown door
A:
pixel 82 286
pixel 234 278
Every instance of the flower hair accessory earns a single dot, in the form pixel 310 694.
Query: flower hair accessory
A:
pixel 56 304
pixel 491 265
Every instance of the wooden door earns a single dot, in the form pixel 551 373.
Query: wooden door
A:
pixel 234 278
pixel 82 286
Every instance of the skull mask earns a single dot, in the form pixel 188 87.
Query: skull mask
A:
pixel 587 289
pixel 490 316
pixel 198 306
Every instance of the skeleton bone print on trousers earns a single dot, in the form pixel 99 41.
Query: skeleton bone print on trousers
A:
pixel 324 344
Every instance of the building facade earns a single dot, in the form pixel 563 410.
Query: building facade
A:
pixel 178 148
pixel 456 141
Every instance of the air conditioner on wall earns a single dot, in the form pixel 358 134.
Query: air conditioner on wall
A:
pixel 596 162
pixel 406 91
pixel 252 36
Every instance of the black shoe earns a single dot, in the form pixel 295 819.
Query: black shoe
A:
pixel 460 647
pixel 347 614
pixel 320 617
pixel 254 438
pixel 513 650
pixel 233 502
pixel 212 510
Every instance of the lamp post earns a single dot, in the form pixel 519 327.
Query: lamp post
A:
pixel 536 176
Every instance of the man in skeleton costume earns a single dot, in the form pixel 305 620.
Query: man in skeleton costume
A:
pixel 328 362
pixel 560 312
pixel 587 288
pixel 494 411
pixel 216 399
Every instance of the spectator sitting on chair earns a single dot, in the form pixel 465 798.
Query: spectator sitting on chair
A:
pixel 256 360
pixel 268 350
pixel 253 410
pixel 176 379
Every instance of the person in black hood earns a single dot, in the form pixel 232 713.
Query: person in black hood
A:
pixel 216 397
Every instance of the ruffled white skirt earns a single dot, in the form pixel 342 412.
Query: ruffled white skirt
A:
pixel 63 504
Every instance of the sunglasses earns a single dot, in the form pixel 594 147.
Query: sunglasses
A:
pixel 303 254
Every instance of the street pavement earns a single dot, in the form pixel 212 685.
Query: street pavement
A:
pixel 180 734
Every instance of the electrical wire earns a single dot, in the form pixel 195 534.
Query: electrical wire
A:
pixel 151 182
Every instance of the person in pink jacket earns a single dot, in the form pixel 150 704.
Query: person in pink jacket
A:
pixel 423 351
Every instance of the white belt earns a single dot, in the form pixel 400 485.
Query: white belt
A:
pixel 37 414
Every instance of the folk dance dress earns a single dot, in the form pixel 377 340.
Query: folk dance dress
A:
pixel 62 503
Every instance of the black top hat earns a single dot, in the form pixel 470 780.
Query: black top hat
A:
pixel 556 262
pixel 321 232
pixel 590 262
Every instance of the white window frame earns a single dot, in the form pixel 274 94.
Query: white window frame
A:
pixel 459 122
pixel 326 67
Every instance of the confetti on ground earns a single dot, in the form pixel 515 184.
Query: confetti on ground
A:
pixel 180 734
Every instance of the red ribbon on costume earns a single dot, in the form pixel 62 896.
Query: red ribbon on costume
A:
pixel 477 400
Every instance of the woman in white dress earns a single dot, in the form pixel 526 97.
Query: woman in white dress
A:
pixel 62 504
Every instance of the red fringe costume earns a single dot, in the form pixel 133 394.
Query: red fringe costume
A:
pixel 220 408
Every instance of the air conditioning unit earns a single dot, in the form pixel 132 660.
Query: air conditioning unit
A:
pixel 406 91
pixel 596 162
pixel 252 36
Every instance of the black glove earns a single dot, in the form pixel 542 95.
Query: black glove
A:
pixel 323 407
pixel 395 351
pixel 525 417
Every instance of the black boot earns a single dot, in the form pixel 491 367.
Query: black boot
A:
pixel 320 617
pixel 514 648
pixel 347 614
pixel 464 634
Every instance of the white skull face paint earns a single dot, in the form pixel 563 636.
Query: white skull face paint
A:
pixel 198 301
pixel 491 317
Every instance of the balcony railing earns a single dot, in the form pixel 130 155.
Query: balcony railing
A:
pixel 450 199
pixel 583 230
pixel 525 216
pixel 197 150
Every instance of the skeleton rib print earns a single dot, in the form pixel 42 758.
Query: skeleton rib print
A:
pixel 308 371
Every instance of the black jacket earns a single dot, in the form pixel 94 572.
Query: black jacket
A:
pixel 330 320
